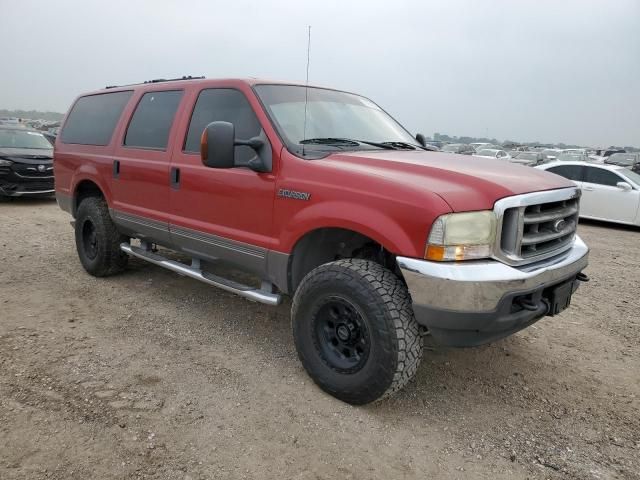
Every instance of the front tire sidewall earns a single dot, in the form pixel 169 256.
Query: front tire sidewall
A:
pixel 376 376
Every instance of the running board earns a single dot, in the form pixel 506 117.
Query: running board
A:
pixel 257 295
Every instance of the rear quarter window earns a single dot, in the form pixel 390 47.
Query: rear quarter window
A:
pixel 93 118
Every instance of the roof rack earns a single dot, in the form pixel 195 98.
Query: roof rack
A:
pixel 158 80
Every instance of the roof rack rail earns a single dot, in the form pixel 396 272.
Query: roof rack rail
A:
pixel 158 80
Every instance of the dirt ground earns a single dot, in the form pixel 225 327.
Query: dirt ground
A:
pixel 153 375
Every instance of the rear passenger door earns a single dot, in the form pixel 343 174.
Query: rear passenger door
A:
pixel 141 166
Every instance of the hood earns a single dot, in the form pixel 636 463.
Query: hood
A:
pixel 465 183
pixel 27 155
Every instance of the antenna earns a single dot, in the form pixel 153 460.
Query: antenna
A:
pixel 306 89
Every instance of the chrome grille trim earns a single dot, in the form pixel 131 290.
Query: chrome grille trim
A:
pixel 525 234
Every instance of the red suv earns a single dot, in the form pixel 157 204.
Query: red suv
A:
pixel 322 196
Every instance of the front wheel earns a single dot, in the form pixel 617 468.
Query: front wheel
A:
pixel 355 331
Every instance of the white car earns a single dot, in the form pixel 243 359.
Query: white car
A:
pixel 479 145
pixel 609 192
pixel 492 153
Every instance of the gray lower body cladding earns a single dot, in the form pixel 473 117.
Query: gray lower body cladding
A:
pixel 267 264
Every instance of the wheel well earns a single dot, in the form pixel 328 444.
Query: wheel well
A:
pixel 85 189
pixel 329 244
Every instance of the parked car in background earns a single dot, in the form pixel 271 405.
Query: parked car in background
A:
pixel 530 159
pixel 461 148
pixel 609 192
pixel 551 154
pixel 575 151
pixel 603 153
pixel 493 153
pixel 26 163
pixel 629 160
pixel 10 121
pixel 435 143
pixel 573 157
pixel 480 145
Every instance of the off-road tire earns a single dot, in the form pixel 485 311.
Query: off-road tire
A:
pixel 103 257
pixel 384 305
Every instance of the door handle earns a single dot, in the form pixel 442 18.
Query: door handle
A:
pixel 588 189
pixel 175 178
pixel 116 169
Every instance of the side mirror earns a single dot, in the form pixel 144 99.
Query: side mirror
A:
pixel 217 145
pixel 421 140
pixel 217 148
pixel 624 186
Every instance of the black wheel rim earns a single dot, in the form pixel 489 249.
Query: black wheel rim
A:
pixel 341 335
pixel 89 239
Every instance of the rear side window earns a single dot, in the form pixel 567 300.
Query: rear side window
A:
pixel 152 120
pixel 93 119
pixel 572 172
pixel 601 177
pixel 227 105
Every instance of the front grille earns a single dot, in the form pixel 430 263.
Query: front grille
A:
pixel 533 229
pixel 31 171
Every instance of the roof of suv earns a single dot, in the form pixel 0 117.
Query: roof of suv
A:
pixel 162 84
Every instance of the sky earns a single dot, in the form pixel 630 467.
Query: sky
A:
pixel 544 70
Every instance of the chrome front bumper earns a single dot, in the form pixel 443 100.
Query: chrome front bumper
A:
pixel 478 286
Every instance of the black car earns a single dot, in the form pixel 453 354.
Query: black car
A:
pixel 26 163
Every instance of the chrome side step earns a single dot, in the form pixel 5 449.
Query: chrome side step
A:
pixel 257 295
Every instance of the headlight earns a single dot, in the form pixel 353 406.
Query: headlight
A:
pixel 5 163
pixel 462 236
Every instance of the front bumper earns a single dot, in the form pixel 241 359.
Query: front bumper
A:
pixel 19 187
pixel 476 302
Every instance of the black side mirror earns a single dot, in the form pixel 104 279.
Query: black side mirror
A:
pixel 421 140
pixel 217 148
pixel 217 145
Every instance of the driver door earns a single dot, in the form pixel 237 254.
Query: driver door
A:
pixel 221 213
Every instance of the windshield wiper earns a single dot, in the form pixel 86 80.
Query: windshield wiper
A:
pixel 400 145
pixel 346 141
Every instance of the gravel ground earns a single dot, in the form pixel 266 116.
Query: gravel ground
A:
pixel 152 375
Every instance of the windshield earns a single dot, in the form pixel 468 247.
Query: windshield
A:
pixel 631 175
pixel 527 156
pixel 22 139
pixel 330 115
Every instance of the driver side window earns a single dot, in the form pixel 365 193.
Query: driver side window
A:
pixel 226 105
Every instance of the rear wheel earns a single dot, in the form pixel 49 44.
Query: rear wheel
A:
pixel 355 331
pixel 98 240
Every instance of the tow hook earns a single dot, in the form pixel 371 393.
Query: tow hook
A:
pixel 582 277
pixel 527 304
